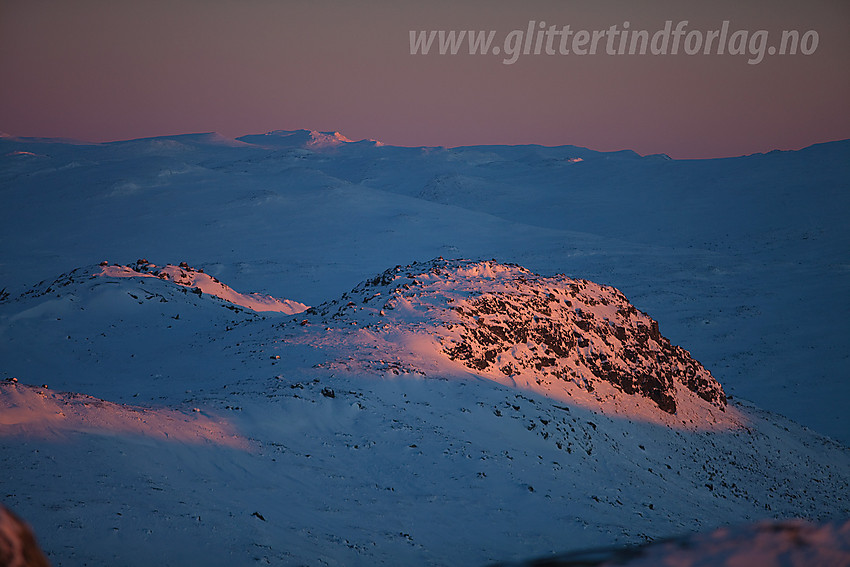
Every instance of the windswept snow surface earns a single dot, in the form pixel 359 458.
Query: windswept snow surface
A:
pixel 443 412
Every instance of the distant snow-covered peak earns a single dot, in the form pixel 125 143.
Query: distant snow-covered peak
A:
pixel 175 144
pixel 309 139
pixel 327 139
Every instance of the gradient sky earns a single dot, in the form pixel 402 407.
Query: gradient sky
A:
pixel 114 69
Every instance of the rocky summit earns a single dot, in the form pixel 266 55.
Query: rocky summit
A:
pixel 546 330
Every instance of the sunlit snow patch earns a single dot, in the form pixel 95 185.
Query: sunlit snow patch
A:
pixel 41 412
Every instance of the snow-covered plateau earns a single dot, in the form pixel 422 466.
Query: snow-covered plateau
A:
pixel 297 349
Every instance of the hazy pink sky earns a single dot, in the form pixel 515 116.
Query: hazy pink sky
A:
pixel 115 69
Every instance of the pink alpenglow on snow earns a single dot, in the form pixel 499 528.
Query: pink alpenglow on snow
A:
pixel 186 276
pixel 306 139
pixel 325 139
pixel 30 411
pixel 793 543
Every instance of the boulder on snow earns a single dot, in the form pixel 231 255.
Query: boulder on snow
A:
pixel 18 546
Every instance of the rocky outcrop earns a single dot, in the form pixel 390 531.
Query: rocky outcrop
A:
pixel 577 330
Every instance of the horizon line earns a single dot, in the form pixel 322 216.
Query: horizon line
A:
pixel 4 135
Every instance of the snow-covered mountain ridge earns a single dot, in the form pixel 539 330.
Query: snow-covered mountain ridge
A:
pixel 570 339
pixel 186 276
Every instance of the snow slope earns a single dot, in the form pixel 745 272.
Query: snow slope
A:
pixel 344 436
